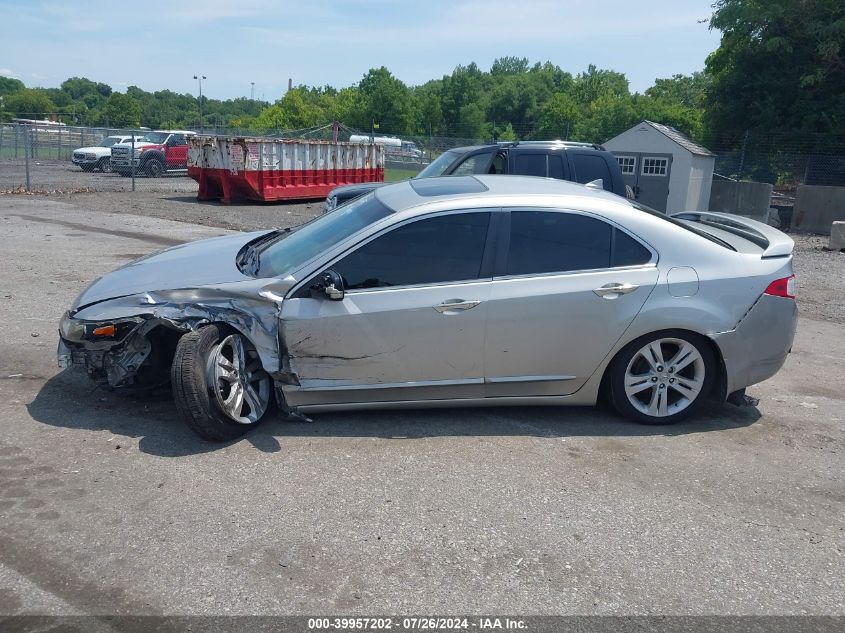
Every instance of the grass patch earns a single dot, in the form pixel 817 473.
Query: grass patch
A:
pixel 394 175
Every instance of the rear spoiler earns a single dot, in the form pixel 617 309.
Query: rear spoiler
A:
pixel 773 242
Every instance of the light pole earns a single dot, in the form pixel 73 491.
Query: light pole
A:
pixel 200 78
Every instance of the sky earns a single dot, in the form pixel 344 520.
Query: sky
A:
pixel 158 44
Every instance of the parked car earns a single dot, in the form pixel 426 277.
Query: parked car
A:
pixel 98 157
pixel 156 153
pixel 448 291
pixel 565 160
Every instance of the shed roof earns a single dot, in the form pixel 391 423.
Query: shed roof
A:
pixel 679 138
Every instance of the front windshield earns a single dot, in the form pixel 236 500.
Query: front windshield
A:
pixel 109 141
pixel 292 250
pixel 439 165
pixel 154 137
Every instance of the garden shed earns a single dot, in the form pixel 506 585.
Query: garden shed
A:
pixel 667 170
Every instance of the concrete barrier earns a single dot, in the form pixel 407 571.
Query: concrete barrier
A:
pixel 750 199
pixel 816 208
pixel 837 236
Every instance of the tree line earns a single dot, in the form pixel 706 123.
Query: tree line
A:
pixel 778 73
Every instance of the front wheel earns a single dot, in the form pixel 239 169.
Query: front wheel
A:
pixel 104 165
pixel 662 378
pixel 154 168
pixel 219 385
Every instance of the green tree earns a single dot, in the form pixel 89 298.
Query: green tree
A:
pixel 9 85
pixel 509 66
pixel 779 69
pixel 606 117
pixel 558 117
pixel 29 103
pixel 122 111
pixel 383 99
pixel 687 90
pixel 594 83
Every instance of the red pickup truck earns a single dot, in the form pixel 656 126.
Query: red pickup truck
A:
pixel 156 153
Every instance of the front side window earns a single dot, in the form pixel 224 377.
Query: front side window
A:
pixel 553 242
pixel 441 249
pixel 439 165
pixel 475 164
pixel 155 137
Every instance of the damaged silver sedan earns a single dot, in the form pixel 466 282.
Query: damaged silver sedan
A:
pixel 445 292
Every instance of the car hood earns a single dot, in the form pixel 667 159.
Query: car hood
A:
pixel 190 265
pixel 93 150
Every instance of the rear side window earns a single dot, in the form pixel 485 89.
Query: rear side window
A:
pixel 590 167
pixel 547 242
pixel 627 251
pixel 550 242
pixel 433 250
pixel 556 166
pixel 530 165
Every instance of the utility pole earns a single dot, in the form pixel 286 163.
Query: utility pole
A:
pixel 199 78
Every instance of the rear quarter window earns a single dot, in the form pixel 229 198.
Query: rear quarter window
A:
pixel 590 167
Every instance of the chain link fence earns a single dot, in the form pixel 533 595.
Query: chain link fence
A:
pixel 46 157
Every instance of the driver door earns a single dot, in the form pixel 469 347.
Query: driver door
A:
pixel 410 325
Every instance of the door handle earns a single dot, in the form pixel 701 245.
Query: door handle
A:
pixel 613 290
pixel 456 305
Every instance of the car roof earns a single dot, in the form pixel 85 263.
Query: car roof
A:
pixel 553 144
pixel 407 195
pixel 188 132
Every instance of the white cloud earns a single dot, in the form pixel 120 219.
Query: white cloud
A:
pixel 7 72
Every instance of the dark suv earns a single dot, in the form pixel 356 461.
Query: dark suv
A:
pixel 580 162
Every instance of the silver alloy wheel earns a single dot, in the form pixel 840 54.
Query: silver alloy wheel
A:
pixel 105 166
pixel 664 377
pixel 238 380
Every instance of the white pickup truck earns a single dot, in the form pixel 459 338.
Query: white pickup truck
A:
pixel 99 156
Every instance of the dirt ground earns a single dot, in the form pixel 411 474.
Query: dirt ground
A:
pixel 111 505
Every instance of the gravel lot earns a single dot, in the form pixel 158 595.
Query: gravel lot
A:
pixel 111 506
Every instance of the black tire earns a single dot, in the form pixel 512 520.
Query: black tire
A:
pixel 88 168
pixel 104 165
pixel 125 174
pixel 195 400
pixel 154 168
pixel 630 355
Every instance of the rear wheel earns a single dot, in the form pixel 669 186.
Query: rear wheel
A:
pixel 219 385
pixel 154 168
pixel 662 378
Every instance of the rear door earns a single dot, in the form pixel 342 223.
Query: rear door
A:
pixel 565 290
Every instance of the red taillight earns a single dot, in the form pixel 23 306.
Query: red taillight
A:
pixel 782 288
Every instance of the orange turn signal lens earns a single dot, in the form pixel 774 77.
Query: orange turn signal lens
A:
pixel 106 330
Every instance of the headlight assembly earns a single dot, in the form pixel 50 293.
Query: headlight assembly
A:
pixel 114 331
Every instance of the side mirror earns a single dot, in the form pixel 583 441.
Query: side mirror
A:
pixel 331 284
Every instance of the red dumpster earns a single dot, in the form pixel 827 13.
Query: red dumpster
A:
pixel 266 169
